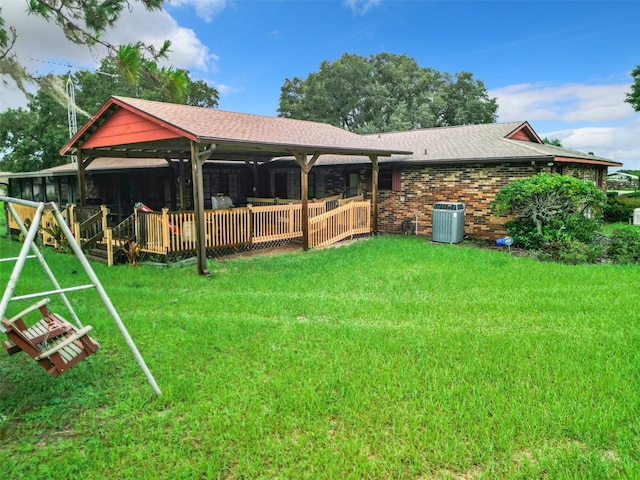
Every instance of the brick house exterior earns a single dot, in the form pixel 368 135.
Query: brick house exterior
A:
pixel 467 164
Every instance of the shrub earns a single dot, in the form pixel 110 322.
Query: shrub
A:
pixel 571 252
pixel 624 245
pixel 620 208
pixel 524 235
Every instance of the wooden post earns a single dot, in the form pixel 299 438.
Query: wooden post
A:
pixel 105 212
pixel 374 191
pixel 82 181
pixel 305 167
pixel 165 230
pixel 71 220
pixel 109 238
pixel 197 159
pixel 304 195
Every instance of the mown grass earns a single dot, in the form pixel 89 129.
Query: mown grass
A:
pixel 387 358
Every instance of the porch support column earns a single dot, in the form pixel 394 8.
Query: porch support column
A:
pixel 305 166
pixel 198 158
pixel 375 170
pixel 82 165
pixel 82 180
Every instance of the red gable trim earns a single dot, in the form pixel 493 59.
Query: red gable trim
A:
pixel 585 160
pixel 524 133
pixel 125 127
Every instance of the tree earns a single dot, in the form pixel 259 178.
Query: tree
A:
pixel 553 205
pixel 633 97
pixel 83 22
pixel 31 138
pixel 385 92
pixel 552 141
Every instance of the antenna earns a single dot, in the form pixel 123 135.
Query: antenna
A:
pixel 71 112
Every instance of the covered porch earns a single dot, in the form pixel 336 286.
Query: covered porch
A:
pixel 133 128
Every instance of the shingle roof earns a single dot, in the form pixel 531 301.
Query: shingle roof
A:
pixel 476 143
pixel 235 132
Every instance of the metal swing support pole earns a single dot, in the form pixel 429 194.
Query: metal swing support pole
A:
pixel 45 267
pixel 22 257
pixel 29 240
pixel 105 299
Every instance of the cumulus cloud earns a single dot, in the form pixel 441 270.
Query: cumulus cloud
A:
pixel 205 9
pixel 360 7
pixel 569 102
pixel 42 47
pixel 619 143
pixel 587 118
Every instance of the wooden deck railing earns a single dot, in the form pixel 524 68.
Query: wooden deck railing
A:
pixel 166 233
pixel 90 231
pixel 47 221
pixel 351 219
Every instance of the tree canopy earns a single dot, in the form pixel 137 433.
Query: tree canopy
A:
pixel 633 97
pixel 84 22
pixel 31 137
pixel 386 92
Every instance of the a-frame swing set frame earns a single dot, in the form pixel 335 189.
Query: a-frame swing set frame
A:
pixel 75 336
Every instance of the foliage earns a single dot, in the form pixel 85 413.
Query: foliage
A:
pixel 554 204
pixel 439 362
pixel 58 235
pixel 571 252
pixel 624 245
pixel 32 137
pixel 385 92
pixel 633 97
pixel 552 141
pixel 619 208
pixel 83 22
pixel 132 250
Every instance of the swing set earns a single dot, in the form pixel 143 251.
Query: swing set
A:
pixel 55 343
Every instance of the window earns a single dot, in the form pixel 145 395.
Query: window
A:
pixel 390 179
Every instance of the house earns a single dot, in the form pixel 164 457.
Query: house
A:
pixel 621 179
pixel 178 157
pixel 467 164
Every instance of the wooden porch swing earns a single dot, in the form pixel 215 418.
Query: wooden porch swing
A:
pixel 53 342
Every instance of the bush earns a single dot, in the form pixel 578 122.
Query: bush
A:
pixel 524 235
pixel 619 208
pixel 559 230
pixel 571 252
pixel 624 245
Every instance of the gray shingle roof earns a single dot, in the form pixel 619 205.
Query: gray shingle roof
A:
pixel 475 143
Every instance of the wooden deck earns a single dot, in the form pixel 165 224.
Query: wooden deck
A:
pixel 273 221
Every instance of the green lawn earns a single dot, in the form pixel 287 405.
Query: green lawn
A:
pixel 387 358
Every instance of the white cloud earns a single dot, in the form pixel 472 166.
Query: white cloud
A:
pixel 587 118
pixel 226 90
pixel 360 7
pixel 566 102
pixel 42 47
pixel 620 143
pixel 205 9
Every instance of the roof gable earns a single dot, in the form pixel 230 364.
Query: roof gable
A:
pixel 125 127
pixel 524 133
pixel 144 128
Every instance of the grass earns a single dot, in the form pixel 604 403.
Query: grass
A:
pixel 387 358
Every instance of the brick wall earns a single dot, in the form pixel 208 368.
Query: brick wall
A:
pixel 475 185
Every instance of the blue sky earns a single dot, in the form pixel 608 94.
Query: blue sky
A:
pixel 562 65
